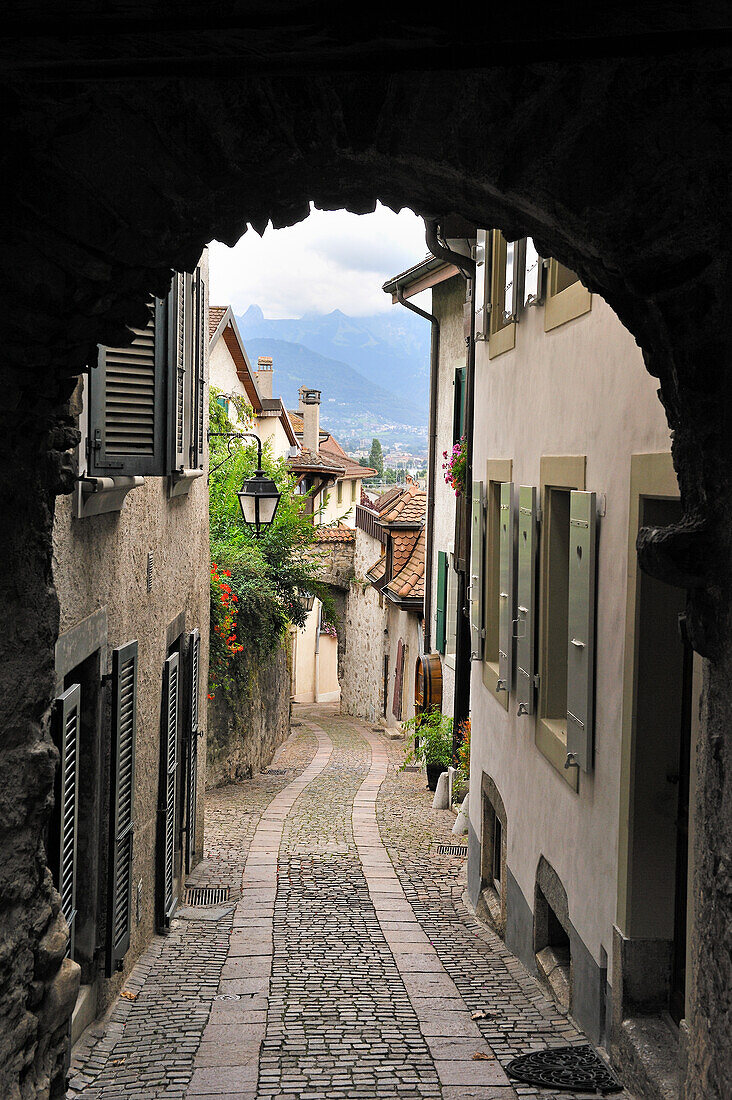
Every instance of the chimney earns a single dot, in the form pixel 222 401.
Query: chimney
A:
pixel 310 408
pixel 301 399
pixel 263 374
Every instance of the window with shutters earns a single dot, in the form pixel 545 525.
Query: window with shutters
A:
pixel 458 411
pixel 194 682
pixel 559 475
pixel 340 492
pixel 505 266
pixel 566 298
pixel 498 582
pixel 451 611
pixel 475 589
pixel 63 834
pixel 354 486
pixel 440 603
pixel 122 803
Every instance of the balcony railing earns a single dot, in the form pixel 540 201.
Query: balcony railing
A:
pixel 367 521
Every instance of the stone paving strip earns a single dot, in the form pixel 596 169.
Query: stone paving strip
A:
pixel 445 1021
pixel 227 1061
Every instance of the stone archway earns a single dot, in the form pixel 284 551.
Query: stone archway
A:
pixel 134 149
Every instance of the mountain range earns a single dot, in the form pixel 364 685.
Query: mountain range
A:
pixel 373 372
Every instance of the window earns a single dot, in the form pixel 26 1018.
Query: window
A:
pixel 458 410
pixel 440 608
pixel 340 492
pixel 505 267
pixel 497 596
pixel 559 475
pixel 354 486
pixel 129 431
pixel 566 297
pixel 451 612
pixel 493 855
pixel 223 402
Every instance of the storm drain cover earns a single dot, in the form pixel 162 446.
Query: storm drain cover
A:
pixel 575 1068
pixel 452 850
pixel 276 771
pixel 207 895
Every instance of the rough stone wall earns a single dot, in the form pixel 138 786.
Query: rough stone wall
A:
pixel 617 166
pixel 365 643
pixel 246 726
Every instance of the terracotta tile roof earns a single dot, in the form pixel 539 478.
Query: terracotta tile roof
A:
pixel 402 545
pixel 215 313
pixel 386 498
pixel 339 533
pixel 409 507
pixel 377 572
pixel 408 584
pixel 297 423
pixel 332 447
pixel 305 460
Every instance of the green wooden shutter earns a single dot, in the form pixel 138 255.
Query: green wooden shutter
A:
pixel 505 588
pixel 124 731
pixel 458 413
pixel 477 550
pixel 198 374
pixel 67 718
pixel 581 628
pixel 169 762
pixel 194 650
pixel 441 598
pixel 126 403
pixel 526 618
pixel 396 705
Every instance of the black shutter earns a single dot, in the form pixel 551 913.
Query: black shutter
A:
pixel 127 403
pixel 122 803
pixel 199 372
pixel 179 364
pixel 194 650
pixel 169 761
pixel 68 709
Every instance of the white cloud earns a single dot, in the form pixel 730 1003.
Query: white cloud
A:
pixel 332 260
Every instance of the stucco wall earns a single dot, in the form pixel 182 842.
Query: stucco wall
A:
pixel 447 305
pixel 404 626
pixel 310 685
pixel 345 512
pixel 246 726
pixel 366 644
pixel 581 389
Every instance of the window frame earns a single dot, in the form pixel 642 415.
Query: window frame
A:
pixel 562 473
pixel 497 472
pixel 501 333
pixel 451 598
pixel 563 305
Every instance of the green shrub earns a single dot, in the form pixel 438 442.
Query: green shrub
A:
pixel 429 739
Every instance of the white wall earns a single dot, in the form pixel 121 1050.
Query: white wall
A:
pixel 345 512
pixel 309 686
pixel 580 389
pixel 223 376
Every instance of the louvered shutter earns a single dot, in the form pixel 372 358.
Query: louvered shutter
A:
pixel 180 363
pixel 505 588
pixel 477 550
pixel 525 631
pixel 169 754
pixel 194 650
pixel 127 403
pixel 396 706
pixel 124 730
pixel 199 373
pixel 440 603
pixel 581 628
pixel 458 412
pixel 68 710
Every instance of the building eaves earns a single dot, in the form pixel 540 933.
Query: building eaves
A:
pixel 421 276
pixel 227 327
pixel 406 588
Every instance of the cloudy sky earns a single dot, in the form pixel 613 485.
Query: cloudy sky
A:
pixel 332 260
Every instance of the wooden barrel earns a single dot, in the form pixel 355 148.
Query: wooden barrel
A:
pixel 428 683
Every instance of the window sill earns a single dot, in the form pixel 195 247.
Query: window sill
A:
pixel 94 496
pixel 490 678
pixel 573 302
pixel 450 661
pixel 504 339
pixel 180 481
pixel 551 741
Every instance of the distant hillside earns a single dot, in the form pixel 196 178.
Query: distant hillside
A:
pixel 391 349
pixel 349 401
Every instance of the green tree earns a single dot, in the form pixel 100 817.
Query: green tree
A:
pixel 376 457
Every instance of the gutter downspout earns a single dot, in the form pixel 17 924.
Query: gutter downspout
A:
pixel 461 706
pixel 431 461
pixel 316 670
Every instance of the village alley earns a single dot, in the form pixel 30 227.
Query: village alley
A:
pixel 343 962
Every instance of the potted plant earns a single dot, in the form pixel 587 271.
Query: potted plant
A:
pixel 430 745
pixel 455 466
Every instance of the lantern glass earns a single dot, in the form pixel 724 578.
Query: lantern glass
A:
pixel 258 500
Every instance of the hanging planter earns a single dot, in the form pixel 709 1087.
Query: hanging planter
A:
pixel 455 465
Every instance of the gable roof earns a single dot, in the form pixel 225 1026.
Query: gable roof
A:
pixel 407 586
pixel 353 469
pixel 407 509
pixel 227 328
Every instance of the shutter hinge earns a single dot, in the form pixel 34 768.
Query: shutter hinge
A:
pixel 96 443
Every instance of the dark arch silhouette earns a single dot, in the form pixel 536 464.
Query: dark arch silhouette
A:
pixel 133 139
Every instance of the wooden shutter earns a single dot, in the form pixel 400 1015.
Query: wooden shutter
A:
pixel 396 706
pixel 199 372
pixel 581 628
pixel 477 550
pixel 127 403
pixel 194 650
pixel 180 368
pixel 124 731
pixel 458 413
pixel 525 621
pixel 505 588
pixel 441 598
pixel 67 718
pixel 169 761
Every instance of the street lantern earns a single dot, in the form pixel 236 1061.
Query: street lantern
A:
pixel 307 599
pixel 258 496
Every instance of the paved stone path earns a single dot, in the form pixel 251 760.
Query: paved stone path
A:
pixel 348 965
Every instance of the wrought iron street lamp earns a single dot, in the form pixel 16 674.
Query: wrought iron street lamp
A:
pixel 258 496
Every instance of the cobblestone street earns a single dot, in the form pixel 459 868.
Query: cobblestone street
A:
pixel 344 964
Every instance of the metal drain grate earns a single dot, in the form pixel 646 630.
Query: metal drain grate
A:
pixel 452 850
pixel 276 771
pixel 573 1068
pixel 207 895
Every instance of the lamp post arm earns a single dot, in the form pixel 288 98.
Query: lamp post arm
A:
pixel 235 435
